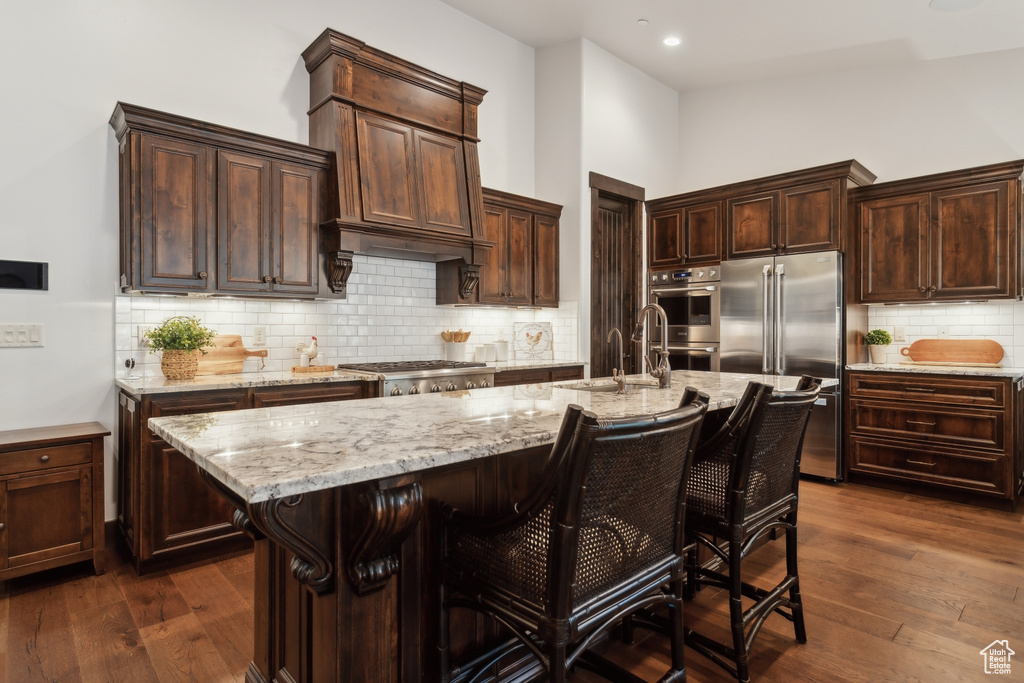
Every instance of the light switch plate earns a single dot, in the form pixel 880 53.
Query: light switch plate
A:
pixel 14 335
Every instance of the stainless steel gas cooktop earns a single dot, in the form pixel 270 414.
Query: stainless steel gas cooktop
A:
pixel 428 376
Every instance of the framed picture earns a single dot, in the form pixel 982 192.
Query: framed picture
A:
pixel 532 341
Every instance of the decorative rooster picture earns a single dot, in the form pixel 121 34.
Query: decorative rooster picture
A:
pixel 532 341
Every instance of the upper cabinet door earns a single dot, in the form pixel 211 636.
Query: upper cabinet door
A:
pixel 751 226
pixel 243 222
pixel 519 272
pixel 294 246
pixel 972 246
pixel 387 160
pixel 809 218
pixel 665 239
pixel 545 261
pixel 492 272
pixel 441 172
pixel 894 249
pixel 175 200
pixel 702 233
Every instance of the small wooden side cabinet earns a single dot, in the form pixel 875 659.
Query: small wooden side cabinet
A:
pixel 51 498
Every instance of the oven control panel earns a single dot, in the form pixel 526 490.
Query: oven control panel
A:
pixel 685 276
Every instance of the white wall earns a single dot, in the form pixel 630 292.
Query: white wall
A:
pixel 597 113
pixel 899 121
pixel 64 65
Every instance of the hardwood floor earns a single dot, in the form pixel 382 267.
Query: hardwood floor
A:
pixel 896 588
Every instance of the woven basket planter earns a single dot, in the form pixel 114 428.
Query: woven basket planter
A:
pixel 178 364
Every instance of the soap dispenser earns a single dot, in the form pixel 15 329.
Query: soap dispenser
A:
pixel 501 347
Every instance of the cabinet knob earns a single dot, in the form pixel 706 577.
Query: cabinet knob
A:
pixel 202 275
pixel 44 458
pixel 268 279
pixel 922 289
pixel 278 279
pixel 933 288
pixel 2 526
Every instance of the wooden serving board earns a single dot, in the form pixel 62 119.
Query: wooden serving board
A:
pixel 958 365
pixel 954 351
pixel 313 368
pixel 226 356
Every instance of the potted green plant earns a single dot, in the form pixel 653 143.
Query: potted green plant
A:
pixel 180 340
pixel 877 340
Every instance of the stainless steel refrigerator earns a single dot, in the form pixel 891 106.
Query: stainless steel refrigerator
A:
pixel 786 316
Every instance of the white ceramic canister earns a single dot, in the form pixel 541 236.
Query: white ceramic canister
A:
pixel 455 351
pixel 491 351
pixel 480 354
pixel 501 351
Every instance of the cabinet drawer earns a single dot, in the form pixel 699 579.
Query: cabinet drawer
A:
pixel 961 427
pixel 930 389
pixel 36 459
pixel 530 376
pixel 894 460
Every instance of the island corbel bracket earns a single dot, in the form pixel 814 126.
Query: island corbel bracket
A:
pixel 339 267
pixel 391 516
pixel 311 564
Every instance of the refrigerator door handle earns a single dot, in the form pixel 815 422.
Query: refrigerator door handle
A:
pixel 780 272
pixel 766 325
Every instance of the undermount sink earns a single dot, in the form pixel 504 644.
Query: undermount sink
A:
pixel 630 386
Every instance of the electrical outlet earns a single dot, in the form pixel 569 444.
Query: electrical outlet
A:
pixel 943 330
pixel 899 334
pixel 259 335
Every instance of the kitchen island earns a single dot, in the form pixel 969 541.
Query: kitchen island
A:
pixel 338 497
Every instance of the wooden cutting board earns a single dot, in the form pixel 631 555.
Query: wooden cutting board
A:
pixel 226 356
pixel 954 351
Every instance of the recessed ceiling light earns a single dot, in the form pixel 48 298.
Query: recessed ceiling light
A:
pixel 642 22
pixel 953 5
pixel 672 41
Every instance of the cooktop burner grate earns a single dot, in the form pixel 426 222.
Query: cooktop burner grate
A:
pixel 412 366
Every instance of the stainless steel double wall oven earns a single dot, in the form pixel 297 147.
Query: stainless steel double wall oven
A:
pixel 692 301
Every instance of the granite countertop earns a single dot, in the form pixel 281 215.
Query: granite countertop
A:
pixel 137 386
pixel 268 453
pixel 964 370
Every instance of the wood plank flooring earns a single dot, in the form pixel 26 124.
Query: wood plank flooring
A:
pixel 896 588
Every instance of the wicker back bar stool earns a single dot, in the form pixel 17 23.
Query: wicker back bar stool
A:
pixel 743 486
pixel 599 537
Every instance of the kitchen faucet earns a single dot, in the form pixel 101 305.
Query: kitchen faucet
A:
pixel 620 378
pixel 662 373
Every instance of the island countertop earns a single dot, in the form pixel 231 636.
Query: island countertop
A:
pixel 267 453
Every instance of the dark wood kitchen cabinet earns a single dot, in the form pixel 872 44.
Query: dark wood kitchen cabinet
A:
pixel 209 209
pixel 166 514
pixel 789 213
pixel 946 237
pixel 511 377
pixel 952 432
pixel 686 236
pixel 522 268
pixel 51 498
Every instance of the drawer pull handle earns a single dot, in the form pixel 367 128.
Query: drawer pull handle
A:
pixel 918 422
pixel 920 462
pixel 921 389
pixel 44 458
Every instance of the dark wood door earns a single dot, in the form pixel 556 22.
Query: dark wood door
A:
pixel 894 249
pixel 244 206
pixel 129 435
pixel 545 261
pixel 519 266
pixel 176 199
pixel 971 247
pixel 702 233
pixel 809 218
pixel 386 161
pixel 664 239
pixel 46 516
pixel 179 509
pixel 492 272
pixel 294 228
pixel 751 227
pixel 615 275
pixel 441 174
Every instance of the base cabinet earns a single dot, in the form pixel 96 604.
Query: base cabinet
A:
pixel 507 378
pixel 945 431
pixel 166 514
pixel 51 498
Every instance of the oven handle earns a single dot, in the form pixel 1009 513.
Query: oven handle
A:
pixel 706 351
pixel 683 290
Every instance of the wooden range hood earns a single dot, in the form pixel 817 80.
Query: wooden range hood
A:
pixel 407 176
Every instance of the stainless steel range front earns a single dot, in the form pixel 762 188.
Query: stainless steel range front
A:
pixel 430 376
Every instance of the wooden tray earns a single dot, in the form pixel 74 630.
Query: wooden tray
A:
pixel 954 351
pixel 313 368
pixel 958 365
pixel 226 356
